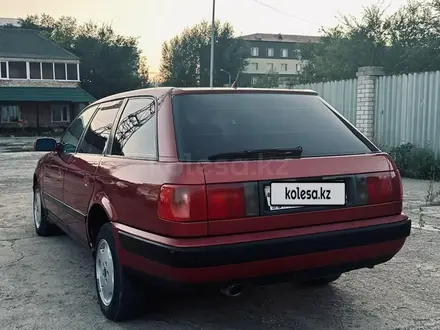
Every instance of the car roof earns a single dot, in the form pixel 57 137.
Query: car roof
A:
pixel 159 91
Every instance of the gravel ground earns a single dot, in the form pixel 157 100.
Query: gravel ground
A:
pixel 47 283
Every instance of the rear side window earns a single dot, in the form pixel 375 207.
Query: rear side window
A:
pixel 210 124
pixel 96 138
pixel 136 133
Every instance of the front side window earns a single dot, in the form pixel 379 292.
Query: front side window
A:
pixel 70 139
pixel 60 113
pixel 211 124
pixel 136 133
pixel 96 138
pixel 10 113
pixel 270 52
pixel 284 53
pixel 254 51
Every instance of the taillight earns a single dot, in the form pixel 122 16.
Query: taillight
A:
pixel 182 203
pixel 235 200
pixel 211 202
pixel 377 188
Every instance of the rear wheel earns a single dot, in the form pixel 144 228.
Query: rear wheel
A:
pixel 323 280
pixel 118 295
pixel 43 226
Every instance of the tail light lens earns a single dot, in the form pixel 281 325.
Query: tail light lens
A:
pixel 229 201
pixel 182 203
pixel 377 188
pixel 213 202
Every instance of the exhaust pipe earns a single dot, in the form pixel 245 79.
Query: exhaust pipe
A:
pixel 233 290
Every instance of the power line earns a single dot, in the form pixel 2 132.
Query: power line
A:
pixel 284 13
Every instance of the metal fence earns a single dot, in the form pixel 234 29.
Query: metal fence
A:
pixel 407 109
pixel 340 94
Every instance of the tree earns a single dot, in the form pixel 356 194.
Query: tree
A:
pixel 403 42
pixel 186 57
pixel 269 80
pixel 110 63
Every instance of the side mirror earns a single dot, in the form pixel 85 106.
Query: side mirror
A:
pixel 45 144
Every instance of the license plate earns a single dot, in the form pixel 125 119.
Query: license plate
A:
pixel 283 195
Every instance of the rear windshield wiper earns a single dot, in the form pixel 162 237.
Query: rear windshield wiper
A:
pixel 274 153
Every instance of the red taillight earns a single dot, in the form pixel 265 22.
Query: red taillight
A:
pixel 213 202
pixel 182 203
pixel 229 201
pixel 384 188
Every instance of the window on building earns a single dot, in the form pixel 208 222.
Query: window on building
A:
pixel 70 139
pixel 254 51
pixel 17 70
pixel 298 67
pixel 60 113
pixel 35 70
pixel 254 80
pixel 269 66
pixel 254 66
pixel 10 113
pixel 60 71
pixel 96 138
pixel 283 67
pixel 72 72
pixel 284 52
pixel 3 70
pixel 136 132
pixel 47 70
pixel 270 52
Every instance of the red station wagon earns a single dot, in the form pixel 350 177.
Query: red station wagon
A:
pixel 221 187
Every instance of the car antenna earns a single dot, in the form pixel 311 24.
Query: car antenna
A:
pixel 234 84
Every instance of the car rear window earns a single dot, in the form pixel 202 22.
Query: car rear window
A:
pixel 210 124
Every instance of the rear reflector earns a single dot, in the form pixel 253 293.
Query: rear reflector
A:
pixel 182 203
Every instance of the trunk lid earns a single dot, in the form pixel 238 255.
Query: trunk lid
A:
pixel 343 169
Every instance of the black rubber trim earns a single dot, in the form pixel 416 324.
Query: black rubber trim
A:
pixel 209 256
pixel 297 276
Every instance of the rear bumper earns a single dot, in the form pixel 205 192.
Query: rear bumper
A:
pixel 345 250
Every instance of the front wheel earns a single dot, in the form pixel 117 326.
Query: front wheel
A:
pixel 118 296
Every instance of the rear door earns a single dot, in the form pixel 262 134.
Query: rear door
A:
pixel 333 154
pixel 81 167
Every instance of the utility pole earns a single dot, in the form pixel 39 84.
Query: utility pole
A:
pixel 211 75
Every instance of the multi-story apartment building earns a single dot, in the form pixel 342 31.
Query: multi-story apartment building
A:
pixel 274 53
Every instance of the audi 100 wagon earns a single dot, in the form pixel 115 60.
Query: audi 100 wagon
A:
pixel 224 188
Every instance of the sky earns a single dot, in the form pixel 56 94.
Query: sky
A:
pixel 156 21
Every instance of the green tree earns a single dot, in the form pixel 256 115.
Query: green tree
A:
pixel 186 57
pixel 405 41
pixel 269 80
pixel 110 63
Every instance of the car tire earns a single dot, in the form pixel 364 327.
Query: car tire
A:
pixel 43 227
pixel 322 281
pixel 120 300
